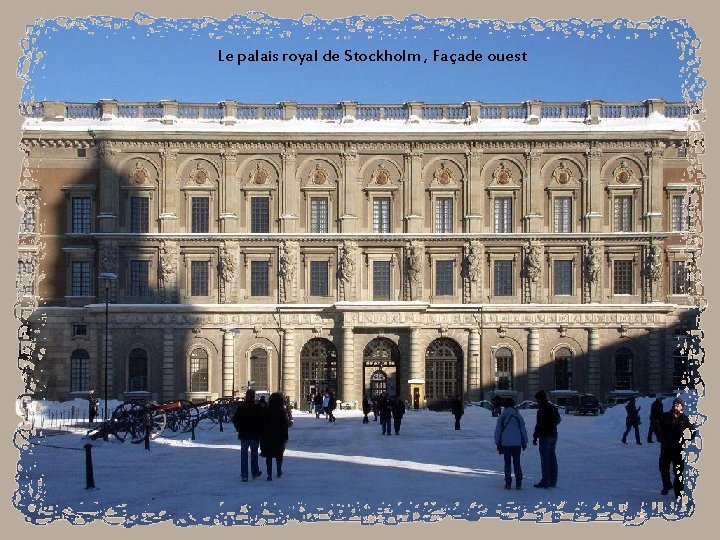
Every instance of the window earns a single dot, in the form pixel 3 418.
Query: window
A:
pixel 79 370
pixel 259 369
pixel 318 366
pixel 504 369
pixel 680 216
pixel 80 278
pixel 140 214
pixel 623 369
pixel 200 209
pixel 259 278
pixel 562 214
pixel 443 369
pixel 139 278
pixel 79 330
pixel 503 278
pixel 622 213
pixel 503 215
pixel 318 215
pixel 318 278
pixel 138 371
pixel 680 278
pixel 81 221
pixel 563 369
pixel 259 214
pixel 381 215
pixel 199 278
pixel 444 215
pixel 562 278
pixel 444 273
pixel 199 370
pixel 623 277
pixel 381 280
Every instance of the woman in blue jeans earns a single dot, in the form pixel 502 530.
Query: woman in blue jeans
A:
pixel 510 438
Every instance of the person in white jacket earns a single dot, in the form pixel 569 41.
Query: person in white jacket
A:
pixel 510 438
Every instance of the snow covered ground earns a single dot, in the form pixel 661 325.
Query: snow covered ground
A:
pixel 345 471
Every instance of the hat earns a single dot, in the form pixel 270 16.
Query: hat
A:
pixel 541 395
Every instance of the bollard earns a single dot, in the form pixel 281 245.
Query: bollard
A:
pixel 147 438
pixel 192 432
pixel 221 426
pixel 89 477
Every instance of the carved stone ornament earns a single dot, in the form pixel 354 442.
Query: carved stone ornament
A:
pixel 502 174
pixel 259 176
pixel 319 176
pixel 623 174
pixel 139 174
pixel 562 175
pixel 199 175
pixel 381 176
pixel 443 176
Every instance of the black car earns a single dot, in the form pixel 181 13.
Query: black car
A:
pixel 583 404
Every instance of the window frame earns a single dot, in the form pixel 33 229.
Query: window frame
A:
pixel 79 374
pixel 266 229
pixel 379 226
pixel 389 282
pixel 508 221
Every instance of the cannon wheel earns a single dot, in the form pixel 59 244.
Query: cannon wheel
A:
pixel 158 421
pixel 222 409
pixel 124 419
pixel 180 420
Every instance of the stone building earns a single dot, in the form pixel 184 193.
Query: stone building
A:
pixel 426 250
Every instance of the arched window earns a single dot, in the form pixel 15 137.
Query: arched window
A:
pixel 318 367
pixel 681 378
pixel 199 370
pixel 259 368
pixel 623 369
pixel 563 369
pixel 138 371
pixel 504 379
pixel 79 370
pixel 443 369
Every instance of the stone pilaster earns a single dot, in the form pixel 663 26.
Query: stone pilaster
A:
pixel 653 188
pixel 348 364
pixel 228 362
pixel 532 195
pixel 474 385
pixel 654 382
pixel 593 217
pixel 413 192
pixel 168 191
pixel 287 360
pixel 109 188
pixel 533 361
pixel 169 369
pixel 289 190
pixel 417 364
pixel 473 199
pixel 347 203
pixel 593 371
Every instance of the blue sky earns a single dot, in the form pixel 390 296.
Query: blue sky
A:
pixel 143 59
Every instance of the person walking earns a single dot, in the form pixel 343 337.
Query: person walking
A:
pixel 385 413
pixel 656 412
pixel 275 435
pixel 673 425
pixel 332 403
pixel 325 403
pixel 249 421
pixel 375 403
pixel 365 409
pixel 510 438
pixel 632 420
pixel 546 432
pixel 398 411
pixel 318 404
pixel 92 406
pixel 457 410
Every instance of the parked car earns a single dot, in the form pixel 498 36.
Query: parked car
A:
pixel 528 404
pixel 485 404
pixel 583 404
pixel 618 397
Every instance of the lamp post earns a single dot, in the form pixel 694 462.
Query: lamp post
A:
pixel 107 277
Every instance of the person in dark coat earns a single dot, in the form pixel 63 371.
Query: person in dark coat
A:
pixel 275 435
pixel 545 431
pixel 375 404
pixel 656 412
pixel 249 421
pixel 92 406
pixel 398 411
pixel 318 404
pixel 510 438
pixel 632 420
pixel 496 403
pixel 366 409
pixel 457 410
pixel 332 403
pixel 673 425
pixel 385 412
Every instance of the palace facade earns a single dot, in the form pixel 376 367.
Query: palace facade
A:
pixel 423 250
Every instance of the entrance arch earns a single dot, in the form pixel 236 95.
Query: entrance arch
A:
pixel 318 367
pixel 381 358
pixel 443 369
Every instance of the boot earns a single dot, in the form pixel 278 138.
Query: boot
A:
pixel 518 484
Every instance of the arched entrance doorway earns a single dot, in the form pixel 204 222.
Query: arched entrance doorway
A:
pixel 443 369
pixel 381 359
pixel 318 367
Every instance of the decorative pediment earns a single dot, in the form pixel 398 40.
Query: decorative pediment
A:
pixel 623 174
pixel 319 175
pixel 139 175
pixel 199 174
pixel 443 176
pixel 563 175
pixel 259 176
pixel 381 176
pixel 502 175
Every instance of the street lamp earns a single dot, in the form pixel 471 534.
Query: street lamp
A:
pixel 107 277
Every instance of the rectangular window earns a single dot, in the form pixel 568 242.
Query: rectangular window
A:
pixel 623 213
pixel 81 220
pixel 444 215
pixel 503 278
pixel 622 277
pixel 139 214
pixel 562 214
pixel 199 278
pixel 139 278
pixel 504 373
pixel 259 215
pixel 444 273
pixel 79 330
pixel 81 278
pixel 562 278
pixel 381 280
pixel 680 215
pixel 200 214
pixel 259 278
pixel 318 278
pixel 680 278
pixel 381 215
pixel 318 215
pixel 503 215
pixel 79 373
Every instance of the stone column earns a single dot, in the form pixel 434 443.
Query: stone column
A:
pixel 349 393
pixel 168 197
pixel 417 363
pixel 169 368
pixel 287 364
pixel 228 362
pixel 347 210
pixel 654 189
pixel 532 195
pixel 289 190
pixel 227 197
pixel 594 217
pixel 654 383
pixel 474 386
pixel 593 371
pixel 473 200
pixel 109 196
pixel 533 361
pixel 413 192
